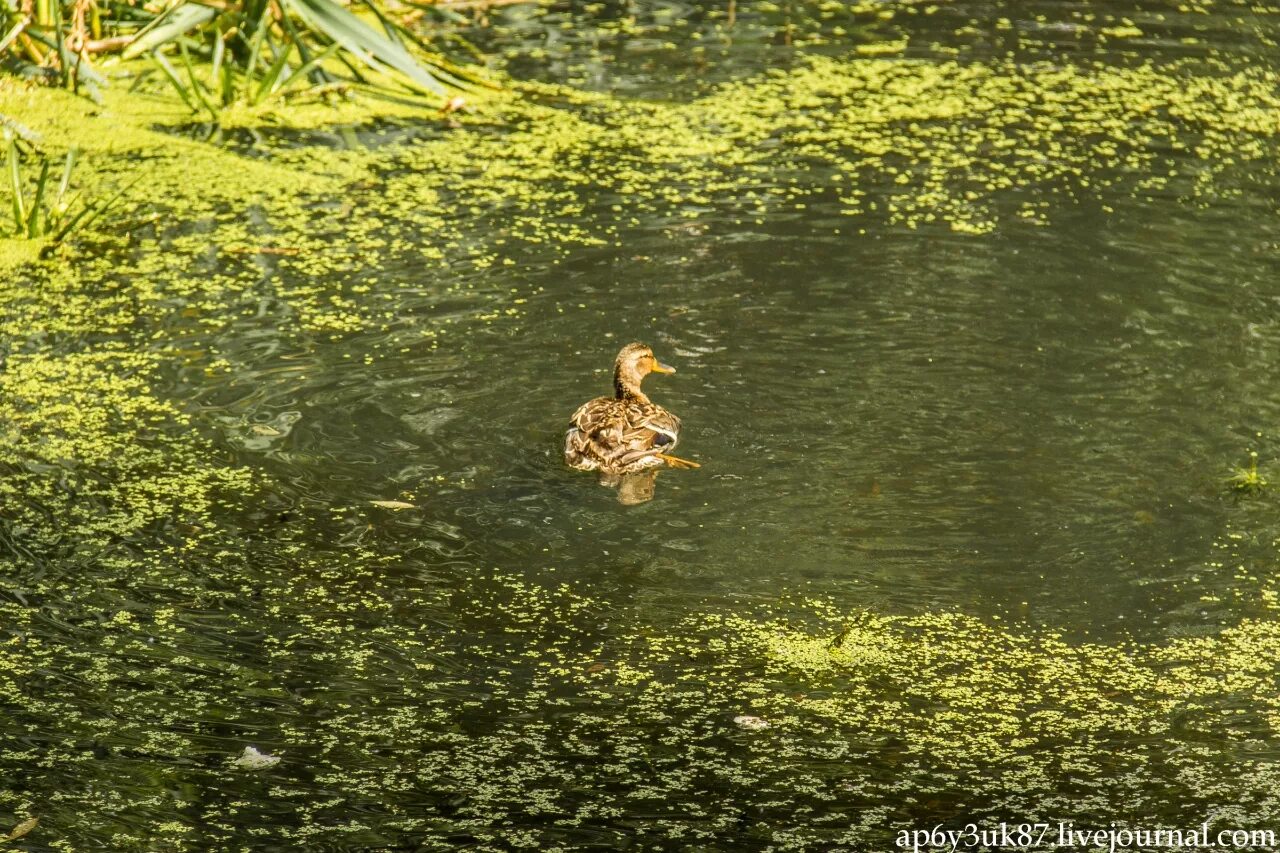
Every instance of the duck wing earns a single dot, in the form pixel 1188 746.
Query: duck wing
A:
pixel 619 436
pixel 595 434
pixel 654 424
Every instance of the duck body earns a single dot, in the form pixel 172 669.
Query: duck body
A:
pixel 620 436
pixel 628 432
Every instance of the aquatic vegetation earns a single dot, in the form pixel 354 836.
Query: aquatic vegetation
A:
pixel 922 145
pixel 39 216
pixel 547 723
pixel 97 446
pixel 251 46
pixel 172 595
pixel 1248 480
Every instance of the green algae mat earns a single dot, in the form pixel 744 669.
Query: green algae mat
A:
pixel 975 308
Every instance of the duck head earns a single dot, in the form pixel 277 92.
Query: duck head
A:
pixel 634 363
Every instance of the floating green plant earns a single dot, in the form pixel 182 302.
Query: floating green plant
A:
pixel 1247 480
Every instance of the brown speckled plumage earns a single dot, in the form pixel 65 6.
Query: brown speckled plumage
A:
pixel 627 432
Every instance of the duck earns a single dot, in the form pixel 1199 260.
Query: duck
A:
pixel 626 433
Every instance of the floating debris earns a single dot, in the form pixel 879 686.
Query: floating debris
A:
pixel 750 723
pixel 394 506
pixel 252 759
pixel 22 828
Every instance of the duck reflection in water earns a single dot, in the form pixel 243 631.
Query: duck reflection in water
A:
pixel 627 437
pixel 634 488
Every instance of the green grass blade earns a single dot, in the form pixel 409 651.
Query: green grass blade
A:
pixel 444 12
pixel 173 78
pixel 307 67
pixel 88 215
pixel 64 58
pixel 70 226
pixel 273 74
pixel 356 73
pixel 305 54
pixel 387 26
pixel 228 93
pixel 65 183
pixel 195 84
pixel 33 218
pixel 255 50
pixel 445 71
pixel 15 184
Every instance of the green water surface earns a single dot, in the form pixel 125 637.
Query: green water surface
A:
pixel 974 308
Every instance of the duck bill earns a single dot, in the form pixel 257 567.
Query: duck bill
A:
pixel 659 367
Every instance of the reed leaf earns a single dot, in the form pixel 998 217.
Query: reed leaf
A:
pixel 15 184
pixel 12 36
pixel 177 22
pixel 196 88
pixel 11 126
pixel 33 218
pixel 89 214
pixel 65 183
pixel 228 85
pixel 219 51
pixel 443 69
pixel 307 67
pixel 255 50
pixel 64 58
pixel 159 59
pixel 273 74
pixel 362 41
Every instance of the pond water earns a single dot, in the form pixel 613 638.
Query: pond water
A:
pixel 973 314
